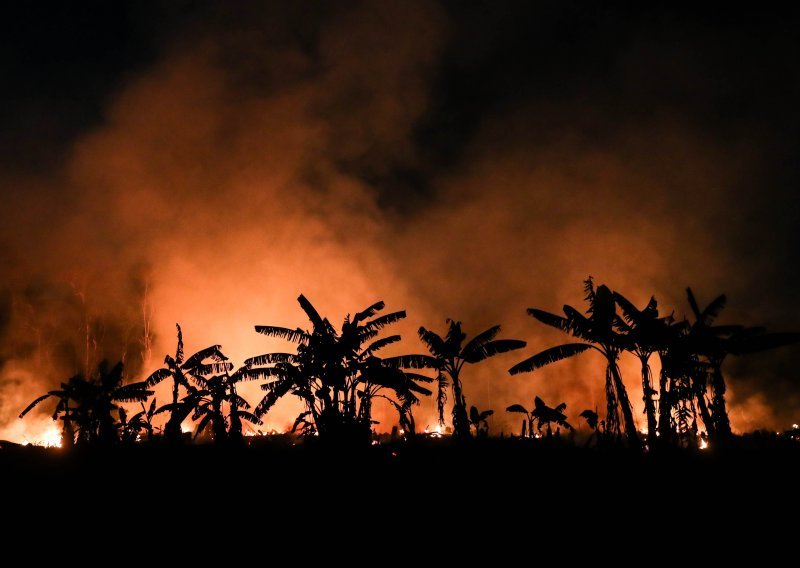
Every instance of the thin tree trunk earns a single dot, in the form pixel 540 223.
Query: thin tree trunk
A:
pixel 664 407
pixel 649 404
pixel 722 423
pixel 68 434
pixel 612 407
pixel 460 418
pixel 705 415
pixel 625 405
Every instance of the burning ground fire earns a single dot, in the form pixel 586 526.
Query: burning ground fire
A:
pixel 50 438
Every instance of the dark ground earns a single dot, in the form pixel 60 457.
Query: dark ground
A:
pixel 425 484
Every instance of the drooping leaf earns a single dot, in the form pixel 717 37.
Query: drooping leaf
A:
pixel 550 319
pixel 271 358
pixel 250 417
pixel 311 312
pixel 482 338
pixel 474 417
pixel 549 356
pixel 205 369
pixel 383 321
pixel 418 377
pixel 33 404
pixel 631 313
pixel 434 342
pixel 368 313
pixel 380 344
pixel 517 408
pixel 486 350
pixel 157 376
pixel 412 362
pixel 713 309
pixel 213 352
pixel 693 304
pixel 293 335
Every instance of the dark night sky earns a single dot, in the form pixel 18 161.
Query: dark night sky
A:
pixel 434 145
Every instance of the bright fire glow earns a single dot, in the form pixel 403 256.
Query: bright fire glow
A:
pixel 51 438
pixel 436 432
pixel 703 444
pixel 186 429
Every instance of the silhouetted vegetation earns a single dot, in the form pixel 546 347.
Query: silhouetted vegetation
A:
pixel 338 374
pixel 450 356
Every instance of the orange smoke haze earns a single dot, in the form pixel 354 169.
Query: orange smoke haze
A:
pixel 241 169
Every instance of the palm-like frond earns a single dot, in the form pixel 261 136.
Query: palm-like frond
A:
pixel 265 373
pixel 179 349
pixel 482 338
pixel 591 418
pixel 455 336
pixel 476 417
pixel 34 403
pixel 713 309
pixel 134 392
pixel 693 304
pixel 293 335
pixel 549 356
pixel 276 390
pixel 271 358
pixel 239 401
pixel 207 417
pixel 205 369
pixel 433 342
pixel 550 319
pixel 250 417
pixel 368 313
pixel 381 322
pixel 631 313
pixel 379 344
pixel 311 312
pixel 412 386
pixel 213 352
pixel 157 376
pixel 517 408
pixel 418 377
pixel 579 325
pixel 486 350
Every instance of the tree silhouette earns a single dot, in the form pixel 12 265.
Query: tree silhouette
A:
pixel 542 416
pixel 140 423
pixel 449 360
pixel 180 370
pixel 595 425
pixel 94 400
pixel 217 390
pixel 527 422
pixel 479 421
pixel 711 344
pixel 646 333
pixel 62 411
pixel 598 332
pixel 337 375
pixel 105 392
